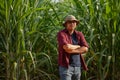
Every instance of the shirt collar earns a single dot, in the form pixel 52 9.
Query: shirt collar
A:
pixel 67 31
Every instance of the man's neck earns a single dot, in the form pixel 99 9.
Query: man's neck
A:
pixel 71 32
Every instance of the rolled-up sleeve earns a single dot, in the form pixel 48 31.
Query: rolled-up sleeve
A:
pixel 61 39
pixel 83 42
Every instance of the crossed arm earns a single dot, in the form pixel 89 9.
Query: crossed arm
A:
pixel 71 49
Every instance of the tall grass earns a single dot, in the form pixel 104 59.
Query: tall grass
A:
pixel 24 35
pixel 28 28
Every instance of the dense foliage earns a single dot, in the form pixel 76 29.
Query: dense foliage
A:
pixel 28 29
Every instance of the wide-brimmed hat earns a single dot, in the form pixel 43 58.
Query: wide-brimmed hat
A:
pixel 70 18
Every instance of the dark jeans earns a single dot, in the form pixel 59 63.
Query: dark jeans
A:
pixel 70 73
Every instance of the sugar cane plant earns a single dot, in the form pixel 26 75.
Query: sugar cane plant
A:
pixel 28 28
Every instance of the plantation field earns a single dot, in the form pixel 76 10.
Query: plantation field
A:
pixel 28 44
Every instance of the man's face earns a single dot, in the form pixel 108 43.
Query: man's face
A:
pixel 70 25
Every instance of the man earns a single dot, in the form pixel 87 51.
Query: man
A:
pixel 71 44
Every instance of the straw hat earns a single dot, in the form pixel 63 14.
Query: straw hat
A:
pixel 70 18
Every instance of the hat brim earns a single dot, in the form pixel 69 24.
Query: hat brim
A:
pixel 64 23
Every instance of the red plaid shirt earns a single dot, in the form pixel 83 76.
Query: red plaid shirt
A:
pixel 63 38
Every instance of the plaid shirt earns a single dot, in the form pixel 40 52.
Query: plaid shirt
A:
pixel 64 38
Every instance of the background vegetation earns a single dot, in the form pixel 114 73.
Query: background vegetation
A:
pixel 28 46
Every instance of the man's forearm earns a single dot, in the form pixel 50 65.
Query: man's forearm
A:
pixel 78 50
pixel 69 47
